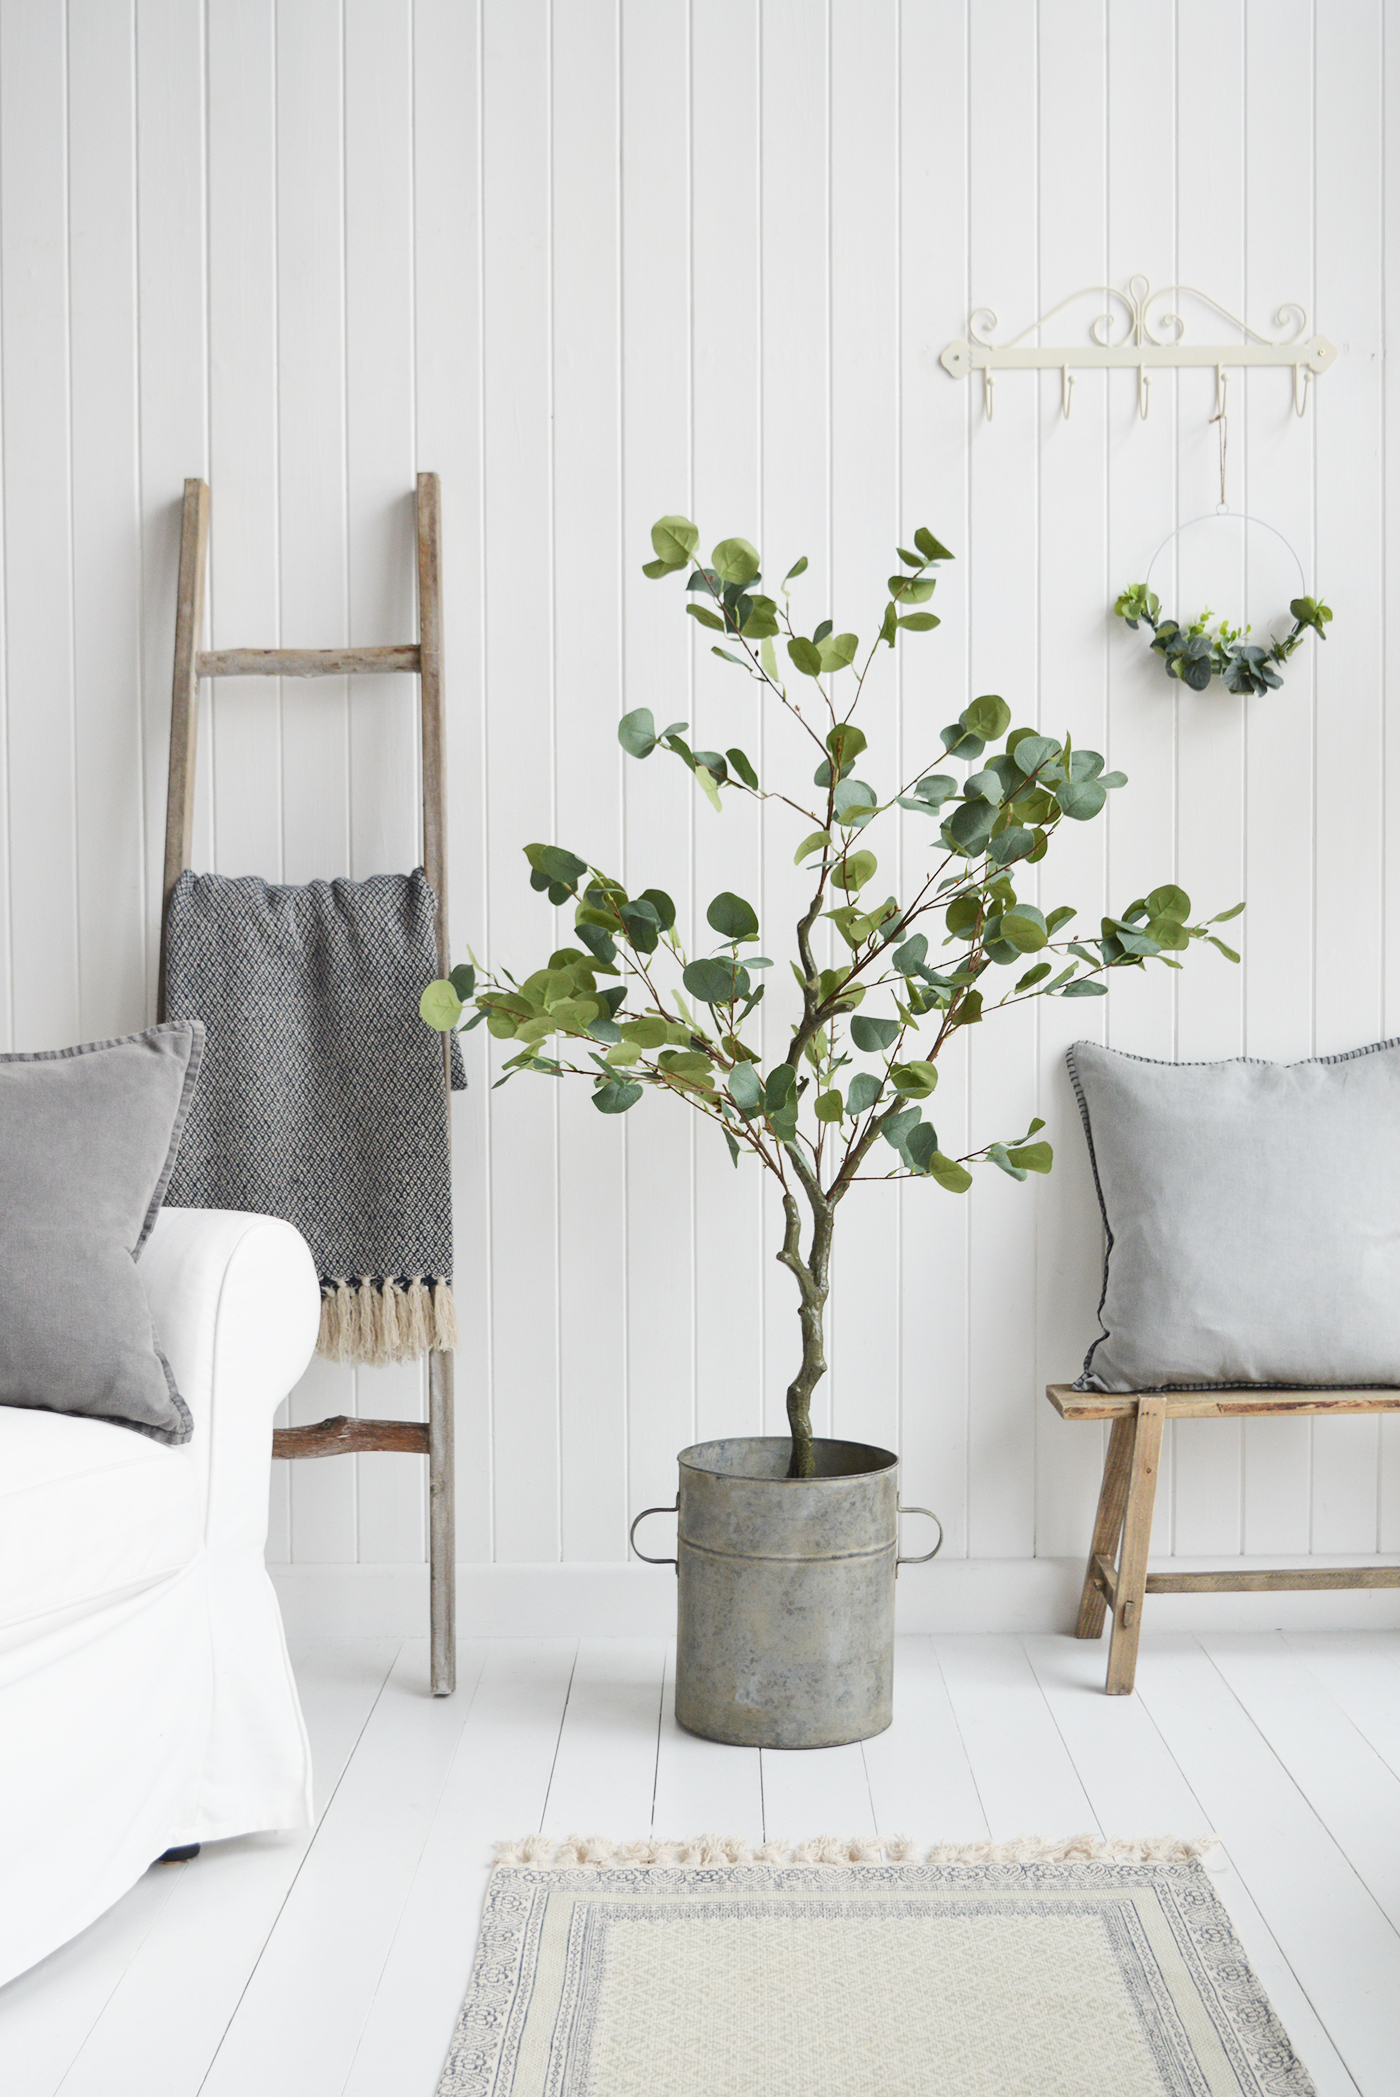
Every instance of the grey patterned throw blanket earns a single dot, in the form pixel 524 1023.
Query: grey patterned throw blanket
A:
pixel 321 1097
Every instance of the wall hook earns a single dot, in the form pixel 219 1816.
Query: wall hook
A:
pixel 1133 330
pixel 1222 384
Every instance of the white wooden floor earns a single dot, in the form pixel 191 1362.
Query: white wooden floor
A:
pixel 333 1963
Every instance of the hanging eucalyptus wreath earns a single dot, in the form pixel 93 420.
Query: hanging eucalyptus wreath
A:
pixel 1201 651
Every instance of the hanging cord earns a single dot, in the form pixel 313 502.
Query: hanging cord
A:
pixel 1223 419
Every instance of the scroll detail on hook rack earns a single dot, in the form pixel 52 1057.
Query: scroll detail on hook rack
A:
pixel 1152 342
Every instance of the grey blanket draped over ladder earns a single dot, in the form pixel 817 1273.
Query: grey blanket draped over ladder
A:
pixel 321 1098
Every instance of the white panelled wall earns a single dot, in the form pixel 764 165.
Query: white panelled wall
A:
pixel 599 259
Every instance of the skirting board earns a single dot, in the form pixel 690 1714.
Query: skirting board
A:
pixel 622 1601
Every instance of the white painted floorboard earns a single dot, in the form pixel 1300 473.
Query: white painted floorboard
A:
pixel 332 1965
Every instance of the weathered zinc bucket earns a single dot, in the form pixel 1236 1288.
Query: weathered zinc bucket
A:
pixel 786 1631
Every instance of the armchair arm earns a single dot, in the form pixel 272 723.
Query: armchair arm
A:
pixel 236 1306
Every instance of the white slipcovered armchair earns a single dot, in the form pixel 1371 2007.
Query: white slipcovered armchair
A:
pixel 146 1698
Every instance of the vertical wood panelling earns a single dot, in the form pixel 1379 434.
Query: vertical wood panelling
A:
pixel 863 529
pixel 659 798
pixel 448 345
pixel 1350 771
pixel 586 349
pixel 1389 1496
pixel 726 289
pixel 1274 480
pixel 598 261
pixel 382 461
pixel 1207 566
pixel 1141 140
pixel 312 585
pixel 1073 638
pixel 37 495
pixel 106 517
pixel 520 660
pixel 245 740
pixel 1004 658
pixel 933 684
pixel 795 439
pixel 173 313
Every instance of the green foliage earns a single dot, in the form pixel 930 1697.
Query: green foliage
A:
pixel 732 917
pixel 629 1006
pixel 1197 653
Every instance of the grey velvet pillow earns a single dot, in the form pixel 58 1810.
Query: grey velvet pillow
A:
pixel 1252 1219
pixel 87 1139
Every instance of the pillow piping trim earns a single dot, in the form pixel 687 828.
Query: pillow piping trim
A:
pixel 195 1029
pixel 1085 1380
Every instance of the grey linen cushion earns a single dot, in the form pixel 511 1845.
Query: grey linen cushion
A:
pixel 87 1140
pixel 1252 1219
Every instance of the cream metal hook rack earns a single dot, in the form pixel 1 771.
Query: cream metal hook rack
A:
pixel 1154 341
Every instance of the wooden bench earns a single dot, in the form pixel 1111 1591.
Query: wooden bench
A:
pixel 1116 1577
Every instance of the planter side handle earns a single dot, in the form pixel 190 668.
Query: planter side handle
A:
pixel 673 1509
pixel 927 1554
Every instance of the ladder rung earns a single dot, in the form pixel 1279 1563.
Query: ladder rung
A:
pixel 339 1436
pixel 304 662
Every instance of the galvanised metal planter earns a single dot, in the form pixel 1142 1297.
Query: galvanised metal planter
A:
pixel 786 1602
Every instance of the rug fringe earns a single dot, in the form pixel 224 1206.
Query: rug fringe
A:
pixel 542 1853
pixel 375 1323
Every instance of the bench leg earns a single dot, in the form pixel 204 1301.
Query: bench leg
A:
pixel 442 1552
pixel 1108 1524
pixel 1137 1535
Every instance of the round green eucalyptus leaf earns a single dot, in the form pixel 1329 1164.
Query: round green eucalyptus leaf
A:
pixel 853 801
pixel 646 1033
pixel 870 1035
pixel 616 1095
pixel 988 717
pixel 1024 926
pixel 440 1007
pixel 1083 798
pixel 1169 901
pixel 852 872
pixel 828 1106
pixel 838 653
pixel 745 1088
pixel 862 1094
pixel 716 982
pixel 663 906
pixel 846 742
pixel 735 561
pixel 732 917
pixel 675 540
pixel 637 732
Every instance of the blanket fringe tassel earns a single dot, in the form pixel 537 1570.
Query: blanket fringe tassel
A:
pixel 375 1323
pixel 542 1853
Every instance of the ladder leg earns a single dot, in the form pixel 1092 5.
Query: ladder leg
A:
pixel 442 1549
pixel 441 1477
pixel 1137 1535
pixel 184 703
pixel 1108 1524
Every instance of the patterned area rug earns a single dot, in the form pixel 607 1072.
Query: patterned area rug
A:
pixel 705 1969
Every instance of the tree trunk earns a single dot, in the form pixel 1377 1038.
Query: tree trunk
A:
pixel 812 1276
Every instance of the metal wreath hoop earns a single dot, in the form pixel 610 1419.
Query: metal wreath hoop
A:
pixel 1244 517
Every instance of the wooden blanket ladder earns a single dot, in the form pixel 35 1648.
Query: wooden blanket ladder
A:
pixel 422 658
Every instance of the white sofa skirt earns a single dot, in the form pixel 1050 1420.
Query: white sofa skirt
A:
pixel 146 1697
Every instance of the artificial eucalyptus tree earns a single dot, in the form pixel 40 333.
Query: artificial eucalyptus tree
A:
pixel 630 1009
